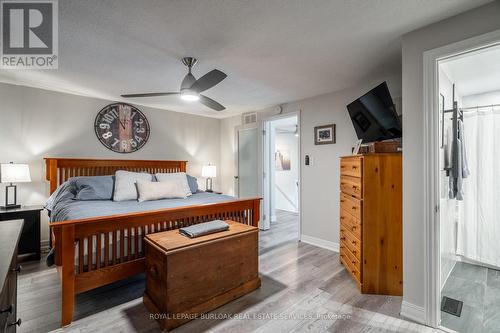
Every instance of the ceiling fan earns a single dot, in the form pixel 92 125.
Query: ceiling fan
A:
pixel 191 88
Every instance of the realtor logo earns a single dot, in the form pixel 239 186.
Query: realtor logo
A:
pixel 29 34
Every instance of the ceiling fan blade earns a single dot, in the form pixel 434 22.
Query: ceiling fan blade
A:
pixel 211 103
pixel 150 94
pixel 208 80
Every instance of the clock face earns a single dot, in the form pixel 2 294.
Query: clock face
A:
pixel 122 128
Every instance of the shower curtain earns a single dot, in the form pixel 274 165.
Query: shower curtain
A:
pixel 478 232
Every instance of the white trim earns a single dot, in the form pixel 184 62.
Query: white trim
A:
pixel 332 246
pixel 432 265
pixel 413 312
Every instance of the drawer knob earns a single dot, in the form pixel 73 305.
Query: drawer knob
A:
pixel 342 238
pixel 7 310
pixel 17 269
pixel 354 242
pixel 353 262
pixel 18 323
pixel 353 228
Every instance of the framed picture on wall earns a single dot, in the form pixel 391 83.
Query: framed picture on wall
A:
pixel 282 160
pixel 324 135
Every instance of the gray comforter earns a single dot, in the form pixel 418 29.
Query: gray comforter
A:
pixel 65 208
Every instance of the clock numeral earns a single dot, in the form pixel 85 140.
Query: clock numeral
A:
pixel 107 135
pixel 124 144
pixel 138 139
pixel 140 130
pixel 139 122
pixel 115 142
pixel 104 126
pixel 133 143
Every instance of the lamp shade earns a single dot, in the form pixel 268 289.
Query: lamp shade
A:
pixel 209 171
pixel 14 173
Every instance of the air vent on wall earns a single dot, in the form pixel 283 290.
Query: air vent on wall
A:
pixel 249 118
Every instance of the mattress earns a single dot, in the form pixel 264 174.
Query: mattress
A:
pixel 70 209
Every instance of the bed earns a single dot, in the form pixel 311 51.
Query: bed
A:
pixel 100 243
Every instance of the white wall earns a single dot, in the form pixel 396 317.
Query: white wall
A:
pixel 320 181
pixel 488 98
pixel 287 195
pixel 38 123
pixel 472 23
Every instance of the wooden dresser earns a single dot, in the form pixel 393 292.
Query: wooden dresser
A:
pixel 10 233
pixel 371 221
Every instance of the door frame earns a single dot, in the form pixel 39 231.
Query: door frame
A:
pixel 266 165
pixel 432 244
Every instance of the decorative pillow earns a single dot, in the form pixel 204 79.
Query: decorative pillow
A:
pixel 160 190
pixel 175 177
pixel 125 188
pixel 94 188
pixel 193 183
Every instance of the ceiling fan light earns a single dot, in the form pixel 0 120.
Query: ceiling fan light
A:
pixel 190 96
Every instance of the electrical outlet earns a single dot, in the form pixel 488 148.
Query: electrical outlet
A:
pixel 308 160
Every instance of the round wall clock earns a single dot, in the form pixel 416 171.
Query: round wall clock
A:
pixel 122 128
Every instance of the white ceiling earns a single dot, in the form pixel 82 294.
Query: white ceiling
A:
pixel 475 73
pixel 274 51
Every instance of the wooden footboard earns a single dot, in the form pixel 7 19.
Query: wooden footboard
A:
pixel 97 251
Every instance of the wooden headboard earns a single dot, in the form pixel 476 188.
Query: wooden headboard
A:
pixel 58 170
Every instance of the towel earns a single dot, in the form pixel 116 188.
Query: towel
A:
pixel 459 165
pixel 206 228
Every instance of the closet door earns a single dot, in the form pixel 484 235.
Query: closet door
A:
pixel 248 162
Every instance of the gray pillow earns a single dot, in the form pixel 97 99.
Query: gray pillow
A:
pixel 94 188
pixel 193 183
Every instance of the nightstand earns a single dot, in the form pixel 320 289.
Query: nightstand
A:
pixel 29 243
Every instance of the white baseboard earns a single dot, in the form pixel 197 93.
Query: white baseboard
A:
pixel 413 312
pixel 332 246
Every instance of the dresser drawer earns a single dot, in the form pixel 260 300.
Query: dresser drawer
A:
pixel 352 270
pixel 353 244
pixel 344 249
pixel 351 205
pixel 351 167
pixel 352 186
pixel 350 223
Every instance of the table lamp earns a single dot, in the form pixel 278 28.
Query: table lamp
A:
pixel 209 172
pixel 13 173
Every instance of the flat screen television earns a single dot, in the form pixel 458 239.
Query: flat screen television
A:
pixel 374 115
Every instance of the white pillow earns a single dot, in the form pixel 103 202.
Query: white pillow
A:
pixel 179 177
pixel 125 188
pixel 159 190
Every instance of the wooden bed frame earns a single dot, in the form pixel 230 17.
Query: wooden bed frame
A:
pixel 112 240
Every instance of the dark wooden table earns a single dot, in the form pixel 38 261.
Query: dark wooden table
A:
pixel 30 237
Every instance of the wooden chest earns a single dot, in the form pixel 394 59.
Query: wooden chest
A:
pixel 371 221
pixel 188 277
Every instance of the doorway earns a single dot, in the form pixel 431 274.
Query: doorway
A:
pixel 462 99
pixel 281 181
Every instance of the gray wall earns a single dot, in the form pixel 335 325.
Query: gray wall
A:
pixel 320 182
pixel 472 23
pixel 38 123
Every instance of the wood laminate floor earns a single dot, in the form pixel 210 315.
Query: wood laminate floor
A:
pixel 284 230
pixel 304 289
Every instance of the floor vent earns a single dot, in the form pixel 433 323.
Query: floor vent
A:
pixel 451 306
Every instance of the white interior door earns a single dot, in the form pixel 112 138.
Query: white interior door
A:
pixel 248 162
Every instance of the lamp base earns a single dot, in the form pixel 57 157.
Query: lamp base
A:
pixel 10 207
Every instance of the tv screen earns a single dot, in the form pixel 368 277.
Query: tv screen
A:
pixel 374 116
